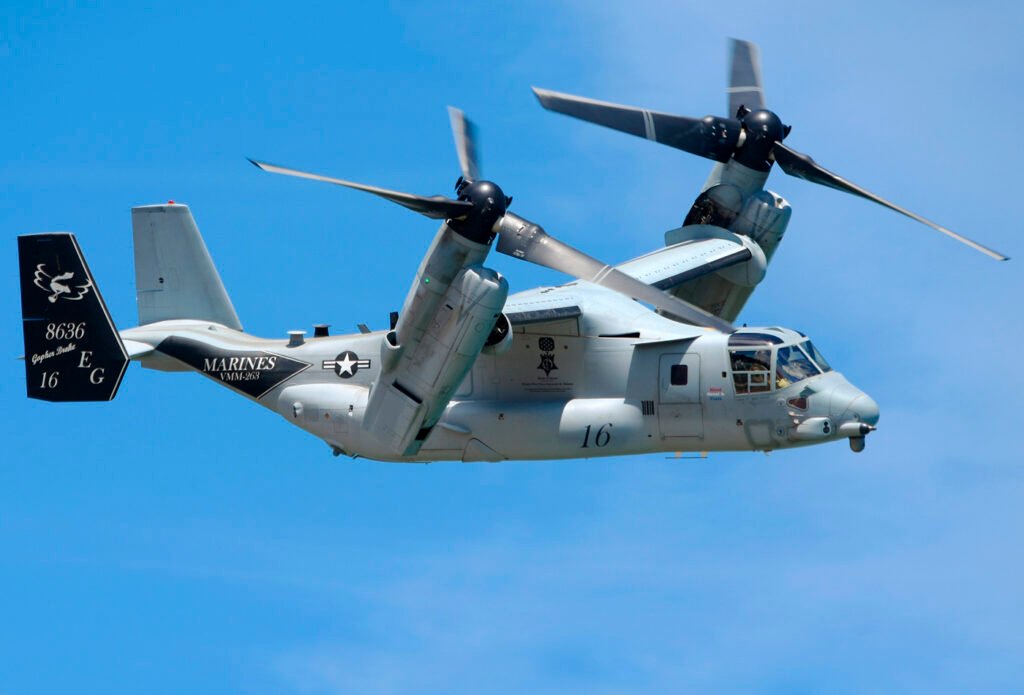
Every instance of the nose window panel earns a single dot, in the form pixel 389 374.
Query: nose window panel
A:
pixel 750 370
pixel 791 366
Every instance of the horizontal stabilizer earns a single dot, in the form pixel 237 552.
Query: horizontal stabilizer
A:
pixel 72 350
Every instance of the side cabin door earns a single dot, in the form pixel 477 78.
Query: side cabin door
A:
pixel 679 407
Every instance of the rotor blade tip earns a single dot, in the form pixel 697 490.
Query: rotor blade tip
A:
pixel 256 164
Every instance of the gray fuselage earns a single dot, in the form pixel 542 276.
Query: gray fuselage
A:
pixel 615 379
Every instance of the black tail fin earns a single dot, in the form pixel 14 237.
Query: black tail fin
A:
pixel 72 350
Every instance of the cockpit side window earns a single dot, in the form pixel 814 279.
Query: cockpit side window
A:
pixel 751 370
pixel 791 366
pixel 819 358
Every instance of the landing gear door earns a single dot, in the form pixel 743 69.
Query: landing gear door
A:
pixel 679 407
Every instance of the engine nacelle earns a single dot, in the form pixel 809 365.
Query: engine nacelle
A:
pixel 764 218
pixel 420 377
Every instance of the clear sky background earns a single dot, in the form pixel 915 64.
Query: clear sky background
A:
pixel 181 539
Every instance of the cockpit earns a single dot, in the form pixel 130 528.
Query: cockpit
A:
pixel 772 359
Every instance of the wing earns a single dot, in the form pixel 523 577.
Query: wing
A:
pixel 524 315
pixel 555 314
pixel 713 269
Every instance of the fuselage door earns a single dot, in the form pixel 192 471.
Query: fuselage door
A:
pixel 679 407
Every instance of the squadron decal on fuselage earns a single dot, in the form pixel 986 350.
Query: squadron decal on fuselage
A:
pixel 537 371
pixel 547 355
pixel 253 372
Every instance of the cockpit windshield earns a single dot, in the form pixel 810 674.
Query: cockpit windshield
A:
pixel 818 358
pixel 791 366
pixel 753 368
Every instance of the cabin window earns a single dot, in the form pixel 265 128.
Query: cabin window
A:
pixel 751 370
pixel 791 366
pixel 678 375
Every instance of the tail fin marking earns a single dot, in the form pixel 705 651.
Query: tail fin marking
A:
pixel 72 350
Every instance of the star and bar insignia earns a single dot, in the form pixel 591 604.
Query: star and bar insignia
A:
pixel 346 364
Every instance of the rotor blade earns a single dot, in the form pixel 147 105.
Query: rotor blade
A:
pixel 802 166
pixel 435 207
pixel 745 87
pixel 520 238
pixel 464 133
pixel 711 137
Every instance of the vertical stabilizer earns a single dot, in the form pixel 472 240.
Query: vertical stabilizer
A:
pixel 174 275
pixel 72 350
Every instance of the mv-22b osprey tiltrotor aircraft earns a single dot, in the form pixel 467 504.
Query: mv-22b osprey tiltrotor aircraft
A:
pixel 467 372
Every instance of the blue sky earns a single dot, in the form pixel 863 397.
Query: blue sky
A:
pixel 182 539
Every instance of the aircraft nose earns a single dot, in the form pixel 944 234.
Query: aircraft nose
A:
pixel 865 409
pixel 850 403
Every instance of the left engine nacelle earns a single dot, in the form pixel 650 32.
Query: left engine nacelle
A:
pixel 408 399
